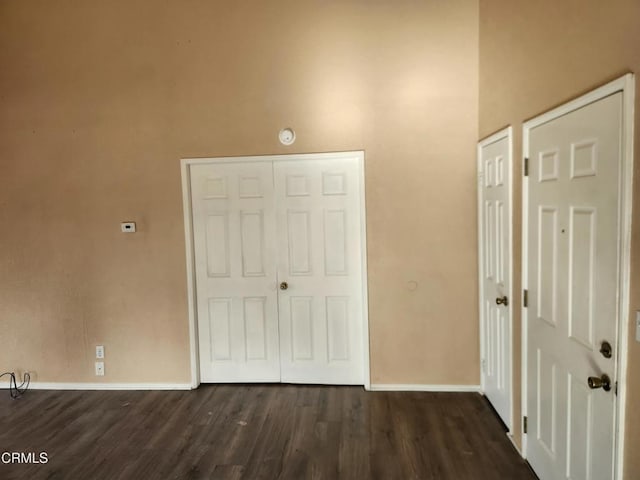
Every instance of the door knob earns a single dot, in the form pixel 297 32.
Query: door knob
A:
pixel 502 301
pixel 284 286
pixel 603 382
pixel 605 349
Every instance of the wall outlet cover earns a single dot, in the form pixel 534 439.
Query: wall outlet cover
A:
pixel 100 369
pixel 99 351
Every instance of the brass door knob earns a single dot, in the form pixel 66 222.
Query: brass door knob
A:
pixel 502 301
pixel 603 382
pixel 284 286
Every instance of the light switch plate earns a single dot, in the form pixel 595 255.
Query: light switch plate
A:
pixel 99 351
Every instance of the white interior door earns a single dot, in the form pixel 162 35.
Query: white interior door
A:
pixel 573 246
pixel 235 266
pixel 320 270
pixel 495 271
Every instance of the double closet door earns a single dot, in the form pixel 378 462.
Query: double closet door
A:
pixel 278 258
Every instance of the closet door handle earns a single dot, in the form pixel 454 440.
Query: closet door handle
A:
pixel 284 286
pixel 603 382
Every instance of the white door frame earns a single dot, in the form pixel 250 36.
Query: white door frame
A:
pixel 626 85
pixel 185 166
pixel 508 134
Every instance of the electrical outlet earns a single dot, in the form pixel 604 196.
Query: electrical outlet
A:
pixel 99 351
pixel 100 369
pixel 638 326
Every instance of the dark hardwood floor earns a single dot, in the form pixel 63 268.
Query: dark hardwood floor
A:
pixel 257 432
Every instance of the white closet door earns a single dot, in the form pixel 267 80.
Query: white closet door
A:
pixel 234 243
pixel 495 196
pixel 320 270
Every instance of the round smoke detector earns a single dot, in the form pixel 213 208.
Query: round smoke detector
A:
pixel 287 136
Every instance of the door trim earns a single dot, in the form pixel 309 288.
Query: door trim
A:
pixel 626 85
pixel 185 168
pixel 508 134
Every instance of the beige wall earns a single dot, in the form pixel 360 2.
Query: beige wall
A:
pixel 99 101
pixel 536 55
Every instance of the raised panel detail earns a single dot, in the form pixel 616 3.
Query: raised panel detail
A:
pixel 215 187
pixel 297 186
pixel 500 360
pixel 337 328
pixel 584 158
pixel 335 242
pixel 250 187
pixel 546 402
pixel 220 328
pixel 582 241
pixel 499 171
pixel 488 173
pixel 301 328
pixel 255 328
pixel 547 257
pixel 299 233
pixel 489 238
pixel 579 419
pixel 548 166
pixel 252 233
pixel 499 241
pixel 489 326
pixel 494 345
pixel 217 245
pixel 334 183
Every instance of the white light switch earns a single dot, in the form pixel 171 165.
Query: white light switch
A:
pixel 128 227
pixel 637 325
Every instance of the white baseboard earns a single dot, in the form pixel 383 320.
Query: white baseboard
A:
pixel 412 387
pixel 106 386
pixel 375 387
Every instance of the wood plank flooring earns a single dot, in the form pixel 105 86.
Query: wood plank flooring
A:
pixel 257 432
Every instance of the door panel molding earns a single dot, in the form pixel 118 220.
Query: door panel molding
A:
pixel 330 183
pixel 626 85
pixel 490 267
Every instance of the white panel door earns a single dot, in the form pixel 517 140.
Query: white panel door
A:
pixel 574 168
pixel 495 214
pixel 320 270
pixel 234 244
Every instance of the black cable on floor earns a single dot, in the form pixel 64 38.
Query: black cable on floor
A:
pixel 15 390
